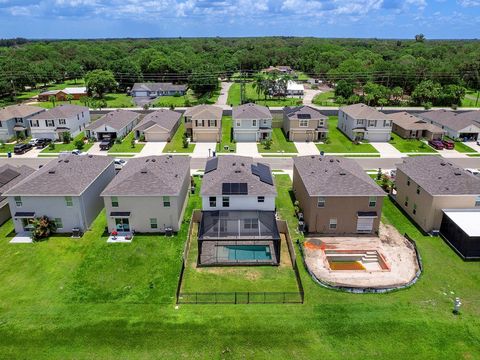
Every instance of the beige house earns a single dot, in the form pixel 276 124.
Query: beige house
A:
pixel 427 184
pixel 159 125
pixel 409 126
pixel 148 195
pixel 336 196
pixel 304 123
pixel 203 123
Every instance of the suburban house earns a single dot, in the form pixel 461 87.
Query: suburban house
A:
pixel 362 122
pixel 238 225
pixel 115 124
pixel 464 126
pixel 76 93
pixel 14 120
pixel 148 195
pixel 9 177
pixel 251 122
pixel 281 69
pixel 154 90
pixel 461 231
pixel 336 196
pixel 295 89
pixel 428 184
pixel 66 190
pixel 409 126
pixel 52 124
pixel 304 123
pixel 204 123
pixel 159 125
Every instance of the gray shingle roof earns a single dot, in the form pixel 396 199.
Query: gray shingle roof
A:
pixel 19 173
pixel 150 176
pixel 68 176
pixel 117 119
pixel 293 112
pixel 61 112
pixel 453 120
pixel 439 177
pixel 411 122
pixel 18 111
pixel 204 112
pixel 335 176
pixel 235 169
pixel 251 111
pixel 158 87
pixel 167 119
pixel 362 111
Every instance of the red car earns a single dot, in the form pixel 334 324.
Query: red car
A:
pixel 448 144
pixel 436 144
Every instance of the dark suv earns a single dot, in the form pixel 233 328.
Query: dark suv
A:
pixel 106 144
pixel 41 143
pixel 22 148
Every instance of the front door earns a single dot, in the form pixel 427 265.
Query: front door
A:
pixel 122 224
pixel 27 224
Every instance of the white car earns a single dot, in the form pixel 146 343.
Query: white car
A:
pixel 33 142
pixel 119 164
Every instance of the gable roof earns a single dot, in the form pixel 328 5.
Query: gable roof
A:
pixel 438 177
pixel 69 176
pixel 68 91
pixel 411 122
pixel 362 111
pixel 61 112
pixel 117 119
pixel 204 112
pixel 453 120
pixel 150 176
pixel 18 111
pixel 11 176
pixel 164 118
pixel 235 169
pixel 304 111
pixel 251 111
pixel 335 176
pixel 158 87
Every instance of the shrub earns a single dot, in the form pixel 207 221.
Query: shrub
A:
pixel 51 146
pixel 185 141
pixel 43 227
pixel 2 144
pixel 118 141
pixel 67 137
pixel 141 138
pixel 132 143
pixel 79 144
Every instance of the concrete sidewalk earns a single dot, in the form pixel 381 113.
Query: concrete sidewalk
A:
pixel 152 148
pixel 387 150
pixel 204 149
pixel 306 148
pixel 247 149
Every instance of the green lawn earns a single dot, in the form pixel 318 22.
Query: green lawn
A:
pixel 113 101
pixel 301 76
pixel 325 99
pixel 463 148
pixel 470 99
pixel 176 144
pixel 126 145
pixel 279 144
pixel 5 148
pixel 187 100
pixel 68 147
pixel 227 136
pixel 339 143
pixel 410 145
pixel 251 94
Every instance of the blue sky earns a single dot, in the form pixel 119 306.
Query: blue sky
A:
pixel 189 18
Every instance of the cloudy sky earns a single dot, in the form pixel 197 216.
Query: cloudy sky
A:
pixel 173 18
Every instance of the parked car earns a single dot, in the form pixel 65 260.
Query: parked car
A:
pixel 22 148
pixel 119 164
pixel 33 141
pixel 436 144
pixel 106 144
pixel 73 152
pixel 41 143
pixel 448 144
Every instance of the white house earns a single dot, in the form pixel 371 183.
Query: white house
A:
pixel 115 124
pixel 251 122
pixel 14 120
pixel 295 89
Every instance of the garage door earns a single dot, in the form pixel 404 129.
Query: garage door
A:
pixel 151 136
pixel 365 224
pixel 245 136
pixel 141 93
pixel 377 137
pixel 206 137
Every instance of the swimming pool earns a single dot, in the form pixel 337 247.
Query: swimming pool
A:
pixel 247 252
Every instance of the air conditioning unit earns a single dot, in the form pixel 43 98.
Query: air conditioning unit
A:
pixel 76 233
pixel 301 226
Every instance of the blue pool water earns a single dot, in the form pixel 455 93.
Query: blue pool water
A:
pixel 248 252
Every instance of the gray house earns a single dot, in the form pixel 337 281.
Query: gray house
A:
pixel 304 123
pixel 251 122
pixel 148 195
pixel 153 90
pixel 65 190
pixel 464 126
pixel 159 125
pixel 14 120
pixel 115 124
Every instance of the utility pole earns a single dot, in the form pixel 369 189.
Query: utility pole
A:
pixel 13 87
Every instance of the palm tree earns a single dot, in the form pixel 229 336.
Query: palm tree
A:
pixel 69 98
pixel 52 99
pixel 259 84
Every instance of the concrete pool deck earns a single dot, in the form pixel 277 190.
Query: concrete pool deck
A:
pixel 398 252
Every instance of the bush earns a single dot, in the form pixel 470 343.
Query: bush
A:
pixel 51 146
pixel 43 227
pixel 185 141
pixel 79 144
pixel 141 138
pixel 67 137
pixel 118 141
pixel 2 144
pixel 327 141
pixel 132 143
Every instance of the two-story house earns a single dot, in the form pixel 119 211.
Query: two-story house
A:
pixel 65 190
pixel 204 123
pixel 336 196
pixel 251 122
pixel 115 124
pixel 238 224
pixel 362 122
pixel 52 124
pixel 304 123
pixel 14 120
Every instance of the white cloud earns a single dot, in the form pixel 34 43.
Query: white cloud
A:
pixel 468 3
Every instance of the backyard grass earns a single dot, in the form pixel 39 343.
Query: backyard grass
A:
pixel 59 147
pixel 339 143
pixel 187 100
pixel 279 143
pixel 325 99
pixel 126 145
pixel 410 145
pixel 227 136
pixel 251 94
pixel 113 101
pixel 176 144
pixel 471 99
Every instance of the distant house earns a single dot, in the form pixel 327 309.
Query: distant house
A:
pixel 153 90
pixel 409 126
pixel 62 95
pixel 362 122
pixel 295 89
pixel 464 126
pixel 159 125
pixel 65 190
pixel 336 196
pixel 279 69
pixel 304 123
pixel 52 124
pixel 204 123
pixel 149 194
pixel 251 122
pixel 115 124
pixel 14 120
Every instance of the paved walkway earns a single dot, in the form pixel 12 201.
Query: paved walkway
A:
pixel 449 154
pixel 247 149
pixel 202 149
pixel 222 99
pixel 387 150
pixel 306 148
pixel 22 238
pixel 152 148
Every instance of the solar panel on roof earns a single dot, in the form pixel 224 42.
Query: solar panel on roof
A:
pixel 263 172
pixel 304 116
pixel 212 165
pixel 234 189
pixel 7 176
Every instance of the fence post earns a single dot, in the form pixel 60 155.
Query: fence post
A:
pixel 248 297
pixel 235 297
pixel 196 298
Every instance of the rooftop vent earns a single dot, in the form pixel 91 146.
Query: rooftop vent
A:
pixel 153 160
pixel 458 173
pixel 343 173
pixel 67 161
pixel 147 160
pixel 143 171
pixel 90 156
pixel 312 156
pixel 51 171
pixel 331 160
pixel 443 164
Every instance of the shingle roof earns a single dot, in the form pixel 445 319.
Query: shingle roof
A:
pixel 411 122
pixel 439 177
pixel 18 111
pixel 235 169
pixel 68 90
pixel 453 120
pixel 117 119
pixel 150 176
pixel 362 111
pixel 293 113
pixel 14 175
pixel 166 119
pixel 335 176
pixel 251 111
pixel 69 176
pixel 158 87
pixel 205 112
pixel 61 112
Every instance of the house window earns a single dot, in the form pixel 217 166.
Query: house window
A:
pixel 78 116
pixel 69 201
pixel 372 123
pixel 333 224
pixel 153 223
pixel 250 224
pixel 359 122
pixel 418 189
pixel 387 123
pixel 477 201
pixel 254 123
pixel 260 199
pixel 238 123
pixel 406 201
pixel 114 201
pixel 303 123
pixel 49 123
pixel 414 209
pixel 166 201
pixel 18 201
pixel 62 121
pixel 211 123
pixel 34 123
pixel 372 201
pixel 225 201
pixel 321 202
pixel 213 201
pixel 408 182
pixel 58 223
pixel 1 124
pixel 265 122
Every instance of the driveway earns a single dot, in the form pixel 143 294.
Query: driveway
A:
pixel 306 148
pixel 449 154
pixel 152 148
pixel 33 153
pixel 201 149
pixel 247 149
pixel 95 150
pixel 222 99
pixel 308 96
pixel 387 150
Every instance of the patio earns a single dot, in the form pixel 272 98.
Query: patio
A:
pixel 120 237
pixel 22 238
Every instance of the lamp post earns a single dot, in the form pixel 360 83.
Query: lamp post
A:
pixel 456 306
